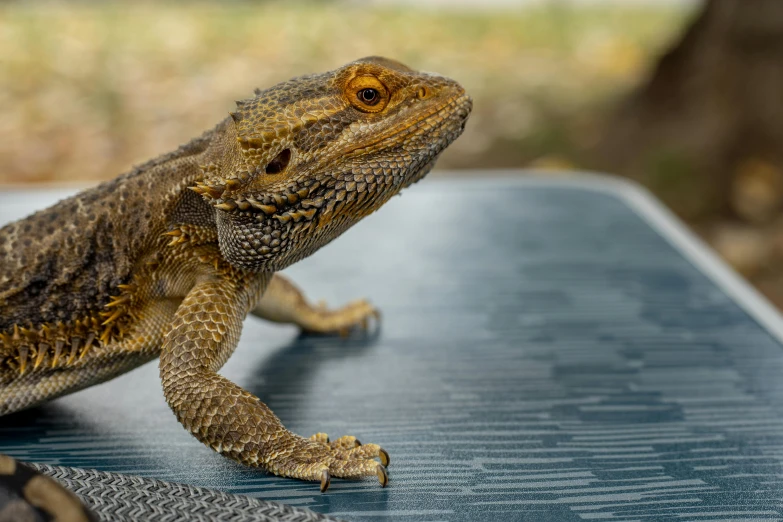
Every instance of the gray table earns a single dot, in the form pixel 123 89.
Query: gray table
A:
pixel 552 349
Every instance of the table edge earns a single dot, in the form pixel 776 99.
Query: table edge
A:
pixel 650 209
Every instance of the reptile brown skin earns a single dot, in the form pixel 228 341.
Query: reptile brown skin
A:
pixel 167 260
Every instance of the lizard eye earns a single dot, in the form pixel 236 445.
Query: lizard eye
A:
pixel 367 94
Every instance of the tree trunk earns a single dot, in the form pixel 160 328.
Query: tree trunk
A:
pixel 706 130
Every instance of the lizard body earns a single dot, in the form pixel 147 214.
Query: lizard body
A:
pixel 167 260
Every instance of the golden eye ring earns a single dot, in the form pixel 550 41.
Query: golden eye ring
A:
pixel 367 93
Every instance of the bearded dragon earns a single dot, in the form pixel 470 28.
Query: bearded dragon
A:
pixel 167 260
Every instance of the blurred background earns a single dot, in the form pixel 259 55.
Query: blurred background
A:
pixel 683 96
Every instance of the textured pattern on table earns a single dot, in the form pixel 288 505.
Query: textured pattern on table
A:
pixel 545 355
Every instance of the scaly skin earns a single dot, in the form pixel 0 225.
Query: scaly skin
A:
pixel 167 260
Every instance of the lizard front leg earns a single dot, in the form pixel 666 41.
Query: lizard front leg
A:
pixel 227 418
pixel 283 302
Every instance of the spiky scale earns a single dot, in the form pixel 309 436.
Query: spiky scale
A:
pixel 75 345
pixel 308 214
pixel 226 205
pixel 119 300
pixel 43 349
pixel 316 202
pixel 177 240
pixel 113 317
pixel 215 191
pixel 24 351
pixel 58 350
pixel 266 209
pixel 105 337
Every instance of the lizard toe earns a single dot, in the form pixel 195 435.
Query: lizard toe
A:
pixel 358 314
pixel 318 458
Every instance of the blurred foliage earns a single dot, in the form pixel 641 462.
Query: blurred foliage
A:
pixel 88 89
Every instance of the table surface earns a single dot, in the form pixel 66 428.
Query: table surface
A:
pixel 550 350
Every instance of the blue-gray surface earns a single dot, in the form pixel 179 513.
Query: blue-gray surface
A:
pixel 545 355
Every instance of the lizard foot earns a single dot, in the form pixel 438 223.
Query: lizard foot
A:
pixel 319 459
pixel 341 320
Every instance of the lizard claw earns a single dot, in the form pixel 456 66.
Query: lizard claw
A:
pixel 383 475
pixel 326 479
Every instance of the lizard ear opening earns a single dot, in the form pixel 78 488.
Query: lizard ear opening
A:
pixel 279 163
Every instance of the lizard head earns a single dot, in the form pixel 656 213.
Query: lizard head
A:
pixel 309 157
